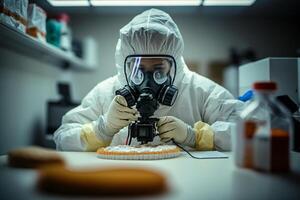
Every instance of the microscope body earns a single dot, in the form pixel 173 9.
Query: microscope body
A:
pixel 145 128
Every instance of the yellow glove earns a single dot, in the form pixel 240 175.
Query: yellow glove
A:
pixel 89 139
pixel 204 136
pixel 117 117
pixel 170 127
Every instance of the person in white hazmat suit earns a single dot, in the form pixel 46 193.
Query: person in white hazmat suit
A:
pixel 202 116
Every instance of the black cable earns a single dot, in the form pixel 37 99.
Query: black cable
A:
pixel 181 147
pixel 178 145
pixel 130 137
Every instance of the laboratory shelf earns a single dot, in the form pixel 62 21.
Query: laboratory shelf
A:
pixel 14 40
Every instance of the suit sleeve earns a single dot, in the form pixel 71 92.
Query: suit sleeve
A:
pixel 220 112
pixel 79 129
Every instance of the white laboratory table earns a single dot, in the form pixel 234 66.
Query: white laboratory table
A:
pixel 188 179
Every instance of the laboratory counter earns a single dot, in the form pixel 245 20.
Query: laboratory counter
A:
pixel 187 178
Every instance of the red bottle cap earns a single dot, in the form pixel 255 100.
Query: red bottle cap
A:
pixel 268 85
pixel 63 18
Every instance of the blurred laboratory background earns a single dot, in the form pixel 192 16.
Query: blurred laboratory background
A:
pixel 52 53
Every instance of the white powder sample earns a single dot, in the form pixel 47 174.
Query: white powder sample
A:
pixel 140 149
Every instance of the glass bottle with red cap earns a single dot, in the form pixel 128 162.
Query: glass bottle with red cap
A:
pixel 262 140
pixel 65 32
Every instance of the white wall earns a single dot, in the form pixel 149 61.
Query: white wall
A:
pixel 105 30
pixel 205 39
pixel 25 86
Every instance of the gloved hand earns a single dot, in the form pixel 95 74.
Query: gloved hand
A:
pixel 118 116
pixel 170 127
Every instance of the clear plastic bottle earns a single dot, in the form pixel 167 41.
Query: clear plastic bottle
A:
pixel 262 139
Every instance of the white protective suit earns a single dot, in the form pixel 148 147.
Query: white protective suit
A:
pixel 199 99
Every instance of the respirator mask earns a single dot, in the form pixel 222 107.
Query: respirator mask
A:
pixel 150 81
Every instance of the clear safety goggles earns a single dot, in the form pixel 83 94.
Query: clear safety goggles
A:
pixel 159 66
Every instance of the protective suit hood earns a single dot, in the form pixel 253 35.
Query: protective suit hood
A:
pixel 151 32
